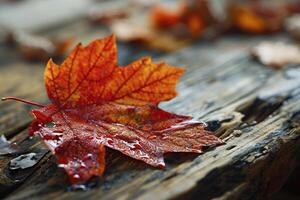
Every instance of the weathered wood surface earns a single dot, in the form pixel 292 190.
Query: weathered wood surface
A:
pixel 254 108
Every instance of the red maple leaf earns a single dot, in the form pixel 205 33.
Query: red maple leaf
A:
pixel 95 104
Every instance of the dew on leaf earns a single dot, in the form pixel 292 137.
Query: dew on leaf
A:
pixel 137 146
pixel 151 137
pixel 161 165
pixel 110 142
pixel 116 119
pixel 75 187
pixel 76 176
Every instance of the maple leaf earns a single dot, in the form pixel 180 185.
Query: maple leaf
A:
pixel 96 103
pixel 90 75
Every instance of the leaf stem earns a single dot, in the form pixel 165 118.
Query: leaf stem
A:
pixel 22 100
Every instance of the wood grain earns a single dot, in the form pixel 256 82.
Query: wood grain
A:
pixel 255 109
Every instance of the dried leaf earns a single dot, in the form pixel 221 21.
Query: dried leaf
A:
pixel 165 17
pixel 163 28
pixel 257 16
pixel 147 36
pixel 277 55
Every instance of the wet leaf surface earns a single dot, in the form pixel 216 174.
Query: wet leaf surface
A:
pixel 96 103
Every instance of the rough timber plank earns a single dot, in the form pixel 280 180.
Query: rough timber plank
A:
pixel 221 85
pixel 19 79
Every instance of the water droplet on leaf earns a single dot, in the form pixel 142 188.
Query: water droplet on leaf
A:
pixel 151 137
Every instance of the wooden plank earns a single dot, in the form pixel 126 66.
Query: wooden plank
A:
pixel 221 85
pixel 19 79
pixel 11 179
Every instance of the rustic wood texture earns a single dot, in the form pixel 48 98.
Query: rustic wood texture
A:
pixel 255 109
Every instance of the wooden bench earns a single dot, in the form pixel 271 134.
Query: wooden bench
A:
pixel 255 109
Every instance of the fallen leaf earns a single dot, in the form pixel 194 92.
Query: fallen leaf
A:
pixel 277 55
pixel 126 31
pixel 97 104
pixel 257 17
pixel 164 27
pixel 76 136
pixel 165 17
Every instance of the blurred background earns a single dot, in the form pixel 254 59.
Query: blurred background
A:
pixel 35 30
pixel 32 31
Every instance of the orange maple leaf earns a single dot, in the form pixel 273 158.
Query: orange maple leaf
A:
pixel 90 75
pixel 95 104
